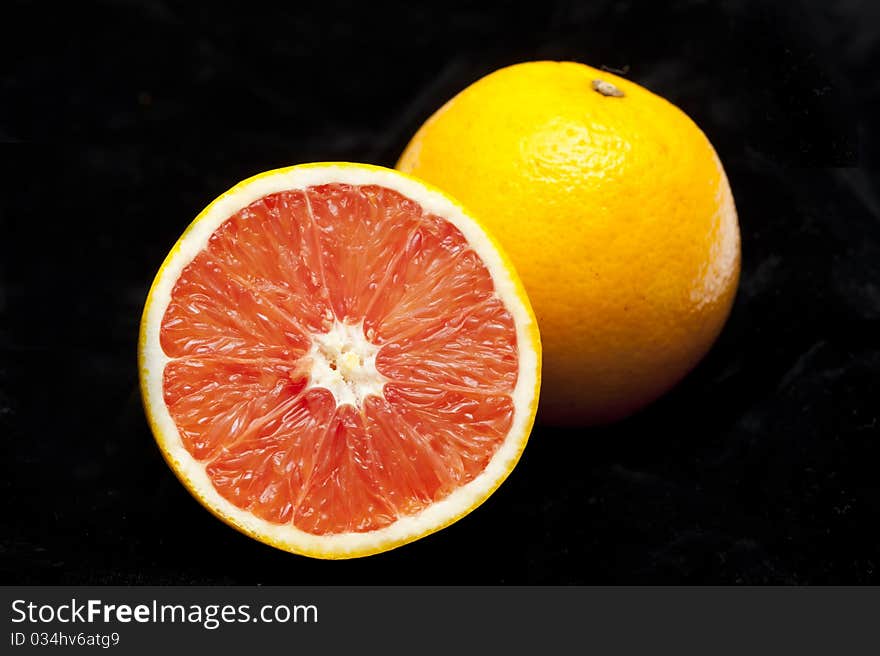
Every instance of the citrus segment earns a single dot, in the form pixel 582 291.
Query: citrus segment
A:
pixel 336 358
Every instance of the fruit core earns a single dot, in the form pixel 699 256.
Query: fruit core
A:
pixel 343 361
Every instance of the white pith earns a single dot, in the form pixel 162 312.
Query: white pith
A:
pixel 343 361
pixel 193 472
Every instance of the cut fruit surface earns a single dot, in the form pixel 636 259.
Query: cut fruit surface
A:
pixel 336 359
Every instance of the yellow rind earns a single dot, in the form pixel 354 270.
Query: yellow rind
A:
pixel 162 438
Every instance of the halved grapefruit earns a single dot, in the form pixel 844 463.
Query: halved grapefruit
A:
pixel 336 359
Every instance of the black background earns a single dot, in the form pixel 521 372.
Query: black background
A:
pixel 121 120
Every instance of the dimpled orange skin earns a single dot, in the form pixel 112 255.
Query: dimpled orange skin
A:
pixel 617 214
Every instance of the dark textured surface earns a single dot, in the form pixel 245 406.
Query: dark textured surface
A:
pixel 124 119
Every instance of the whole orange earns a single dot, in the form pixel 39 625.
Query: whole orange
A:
pixel 617 214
